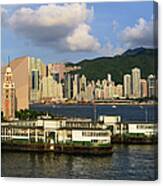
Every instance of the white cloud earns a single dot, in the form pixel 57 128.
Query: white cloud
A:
pixel 114 25
pixel 2 10
pixel 82 40
pixel 3 15
pixel 141 34
pixel 56 26
pixel 110 50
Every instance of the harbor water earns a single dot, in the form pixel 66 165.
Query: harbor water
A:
pixel 128 162
pixel 128 113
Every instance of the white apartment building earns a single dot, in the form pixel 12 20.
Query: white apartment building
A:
pixel 136 86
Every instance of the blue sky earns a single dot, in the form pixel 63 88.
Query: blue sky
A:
pixel 72 32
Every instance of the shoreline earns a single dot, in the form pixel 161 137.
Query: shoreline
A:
pixel 102 104
pixel 58 148
pixel 70 149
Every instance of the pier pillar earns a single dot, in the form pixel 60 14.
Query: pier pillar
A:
pixel 36 136
pixel 47 136
pixel 114 129
pixel 56 137
pixel 12 132
pixel 28 134
pixel 121 132
pixel 44 138
pixel 5 134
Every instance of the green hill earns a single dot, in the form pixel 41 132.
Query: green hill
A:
pixel 145 59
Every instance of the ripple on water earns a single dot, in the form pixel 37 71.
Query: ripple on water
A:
pixel 135 162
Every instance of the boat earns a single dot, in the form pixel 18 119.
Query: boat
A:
pixel 114 106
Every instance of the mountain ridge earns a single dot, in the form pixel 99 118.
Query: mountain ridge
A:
pixel 98 68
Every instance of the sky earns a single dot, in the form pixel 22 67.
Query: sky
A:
pixel 71 32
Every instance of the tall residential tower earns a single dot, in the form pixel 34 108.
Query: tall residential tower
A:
pixel 136 86
pixel 127 85
pixel 151 86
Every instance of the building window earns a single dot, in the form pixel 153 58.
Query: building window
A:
pixel 97 134
pixel 33 80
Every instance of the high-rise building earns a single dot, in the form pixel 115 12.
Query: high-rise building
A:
pixel 106 90
pixel 143 84
pixel 9 96
pixel 151 86
pixel 44 87
pixel 127 85
pixel 56 77
pixel 19 68
pixel 119 90
pixel 89 92
pixel 55 89
pixel 111 88
pixel 136 76
pixel 76 87
pixel 97 93
pixel 37 71
pixel 98 89
pixel 109 77
pixel 27 74
pixel 60 91
pixel 61 69
pixel 58 68
pixel 68 86
pixel 83 84
pixel 47 87
pixel 101 94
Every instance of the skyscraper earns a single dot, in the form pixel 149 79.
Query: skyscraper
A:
pixel 83 84
pixel 106 89
pixel 151 86
pixel 19 68
pixel 119 90
pixel 143 84
pixel 60 91
pixel 89 92
pixel 37 71
pixel 56 77
pixel 109 77
pixel 27 75
pixel 136 76
pixel 76 87
pixel 111 88
pixel 127 85
pixel 47 87
pixel 97 93
pixel 68 86
pixel 9 99
pixel 61 69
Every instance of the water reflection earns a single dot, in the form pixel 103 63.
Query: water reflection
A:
pixel 127 162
